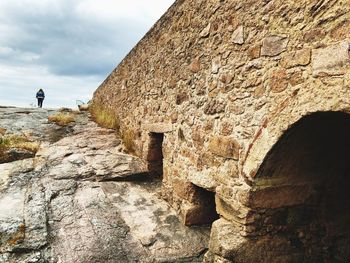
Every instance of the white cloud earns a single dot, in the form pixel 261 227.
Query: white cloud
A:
pixel 67 47
pixel 121 9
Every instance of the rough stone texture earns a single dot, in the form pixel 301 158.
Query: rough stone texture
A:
pixel 293 63
pixel 274 45
pixel 71 203
pixel 225 147
pixel 331 60
pixel 238 35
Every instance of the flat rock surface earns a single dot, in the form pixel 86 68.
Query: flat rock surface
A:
pixel 77 201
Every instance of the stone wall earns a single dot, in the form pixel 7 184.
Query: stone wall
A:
pixel 223 81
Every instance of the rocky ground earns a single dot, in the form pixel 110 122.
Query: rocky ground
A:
pixel 81 199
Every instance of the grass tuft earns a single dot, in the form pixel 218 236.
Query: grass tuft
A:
pixel 104 118
pixel 128 138
pixel 62 119
pixel 16 142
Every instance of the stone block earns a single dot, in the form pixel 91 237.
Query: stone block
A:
pixel 314 35
pixel 185 190
pixel 274 45
pixel 280 196
pixel 297 58
pixel 341 30
pixel 197 214
pixel 278 80
pixel 225 147
pixel 296 78
pixel 226 242
pixel 198 137
pixel 238 35
pixel 214 106
pixel 225 239
pixel 254 52
pixel 331 60
pixel 212 258
pixel 232 211
pixel 158 127
pixel 206 31
pixel 195 65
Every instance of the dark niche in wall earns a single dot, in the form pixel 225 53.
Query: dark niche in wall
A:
pixel 302 188
pixel 155 154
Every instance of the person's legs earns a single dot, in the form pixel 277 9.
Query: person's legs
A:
pixel 40 103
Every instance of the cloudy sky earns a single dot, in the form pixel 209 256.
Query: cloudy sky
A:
pixel 67 47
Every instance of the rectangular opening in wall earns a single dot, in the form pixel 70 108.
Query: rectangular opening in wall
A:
pixel 155 154
pixel 203 209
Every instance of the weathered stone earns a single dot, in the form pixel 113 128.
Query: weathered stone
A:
pixel 278 80
pixel 224 238
pixel 314 35
pixel 274 197
pixel 186 190
pixel 159 127
pixel 296 78
pixel 331 60
pixel 296 58
pixel 198 137
pixel 225 147
pixel 341 31
pixel 214 107
pixel 231 210
pixel 206 31
pixel 254 52
pixel 274 45
pixel 226 78
pixel 259 91
pixel 207 159
pixel 226 128
pixel 238 35
pixel 195 65
pixel 215 66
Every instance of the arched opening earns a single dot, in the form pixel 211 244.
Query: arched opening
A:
pixel 301 191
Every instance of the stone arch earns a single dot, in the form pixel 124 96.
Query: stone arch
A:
pixel 282 117
pixel 300 191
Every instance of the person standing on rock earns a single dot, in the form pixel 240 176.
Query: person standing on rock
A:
pixel 40 95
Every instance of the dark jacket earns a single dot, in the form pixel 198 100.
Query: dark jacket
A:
pixel 40 94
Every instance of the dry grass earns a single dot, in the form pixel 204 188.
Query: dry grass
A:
pixel 62 119
pixel 107 119
pixel 128 138
pixel 17 142
pixel 104 118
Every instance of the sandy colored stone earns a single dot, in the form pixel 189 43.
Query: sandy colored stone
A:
pixel 274 45
pixel 341 30
pixel 238 35
pixel 331 60
pixel 296 58
pixel 254 52
pixel 278 80
pixel 225 147
pixel 206 31
pixel 195 65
